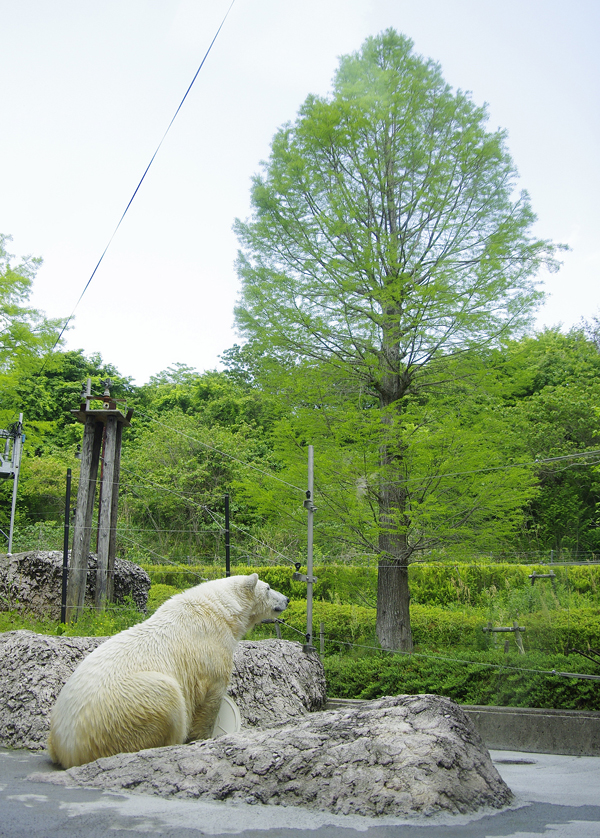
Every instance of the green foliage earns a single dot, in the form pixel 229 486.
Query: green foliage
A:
pixel 91 623
pixel 47 394
pixel 551 386
pixel 215 398
pixel 18 621
pixel 493 588
pixel 176 473
pixel 111 620
pixel 181 576
pixel 486 678
pixel 437 628
pixel 43 535
pixel 25 332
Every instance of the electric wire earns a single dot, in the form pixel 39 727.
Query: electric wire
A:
pixel 70 317
pixel 447 658
pixel 536 462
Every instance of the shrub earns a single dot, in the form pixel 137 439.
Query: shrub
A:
pixel 434 628
pixel 485 678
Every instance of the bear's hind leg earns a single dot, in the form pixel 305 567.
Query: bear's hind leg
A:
pixel 155 714
pixel 205 714
pixel 146 710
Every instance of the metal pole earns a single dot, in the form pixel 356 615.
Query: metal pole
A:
pixel 16 458
pixel 227 536
pixel 65 567
pixel 309 549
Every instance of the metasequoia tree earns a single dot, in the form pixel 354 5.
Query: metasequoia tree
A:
pixel 386 236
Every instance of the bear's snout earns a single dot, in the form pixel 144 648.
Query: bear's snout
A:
pixel 282 607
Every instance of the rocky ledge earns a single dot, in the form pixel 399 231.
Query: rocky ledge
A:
pixel 399 756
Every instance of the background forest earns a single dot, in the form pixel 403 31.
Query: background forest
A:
pixel 520 433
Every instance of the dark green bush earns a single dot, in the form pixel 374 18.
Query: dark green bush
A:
pixel 484 678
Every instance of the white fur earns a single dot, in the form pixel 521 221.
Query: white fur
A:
pixel 160 682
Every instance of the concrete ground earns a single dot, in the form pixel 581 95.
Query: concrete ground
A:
pixel 556 796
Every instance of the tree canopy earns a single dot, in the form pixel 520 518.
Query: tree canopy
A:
pixel 387 237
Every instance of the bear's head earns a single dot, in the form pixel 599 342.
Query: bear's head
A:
pixel 265 603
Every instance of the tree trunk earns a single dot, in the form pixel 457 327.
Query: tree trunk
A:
pixel 393 598
pixel 393 616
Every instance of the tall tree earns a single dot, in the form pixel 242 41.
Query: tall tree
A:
pixel 387 235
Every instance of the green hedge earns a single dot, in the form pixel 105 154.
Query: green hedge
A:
pixel 476 585
pixel 438 628
pixel 485 678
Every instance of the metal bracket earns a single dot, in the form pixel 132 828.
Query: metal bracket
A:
pixel 302 577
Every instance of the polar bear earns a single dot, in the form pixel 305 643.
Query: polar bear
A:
pixel 162 681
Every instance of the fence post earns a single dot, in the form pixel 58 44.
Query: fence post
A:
pixel 17 445
pixel 309 578
pixel 518 637
pixel 227 536
pixel 65 566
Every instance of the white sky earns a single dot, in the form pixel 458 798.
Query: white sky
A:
pixel 88 89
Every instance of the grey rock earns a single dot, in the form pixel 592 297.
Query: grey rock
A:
pixel 273 681
pixel 34 668
pixel 404 755
pixel 32 582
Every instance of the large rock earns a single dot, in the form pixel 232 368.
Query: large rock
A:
pixel 32 582
pixel 273 681
pixel 34 668
pixel 396 756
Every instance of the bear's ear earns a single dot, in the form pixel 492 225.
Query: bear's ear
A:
pixel 250 581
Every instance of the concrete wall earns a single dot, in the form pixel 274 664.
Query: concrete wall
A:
pixel 572 732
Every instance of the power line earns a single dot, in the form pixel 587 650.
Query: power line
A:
pixel 70 317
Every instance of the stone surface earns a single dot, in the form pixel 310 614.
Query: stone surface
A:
pixel 404 755
pixel 273 681
pixel 33 669
pixel 32 582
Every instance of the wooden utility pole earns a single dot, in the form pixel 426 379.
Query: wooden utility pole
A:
pixel 100 422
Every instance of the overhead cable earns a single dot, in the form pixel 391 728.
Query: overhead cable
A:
pixel 70 317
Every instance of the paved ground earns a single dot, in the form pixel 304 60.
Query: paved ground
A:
pixel 557 796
